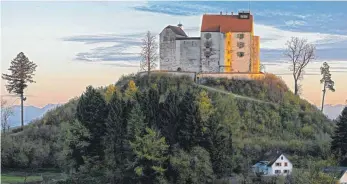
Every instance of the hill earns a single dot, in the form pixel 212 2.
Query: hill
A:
pixel 227 124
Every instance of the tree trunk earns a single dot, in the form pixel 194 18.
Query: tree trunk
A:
pixel 22 110
pixel 296 87
pixel 324 90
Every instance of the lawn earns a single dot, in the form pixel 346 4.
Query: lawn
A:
pixel 9 178
pixel 16 177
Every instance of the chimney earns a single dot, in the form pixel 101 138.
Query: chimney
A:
pixel 232 13
pixel 180 25
pixel 220 13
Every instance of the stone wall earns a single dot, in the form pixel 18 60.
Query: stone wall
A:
pixel 212 51
pixel 188 54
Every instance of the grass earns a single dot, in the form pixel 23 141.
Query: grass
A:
pixel 9 179
pixel 18 176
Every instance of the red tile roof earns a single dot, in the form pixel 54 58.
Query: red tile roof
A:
pixel 226 23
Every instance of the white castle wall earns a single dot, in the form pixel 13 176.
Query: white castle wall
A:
pixel 167 50
pixel 211 48
pixel 188 54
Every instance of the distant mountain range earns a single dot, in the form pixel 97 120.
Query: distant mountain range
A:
pixel 30 113
pixel 333 111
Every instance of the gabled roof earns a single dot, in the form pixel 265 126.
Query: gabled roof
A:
pixel 226 23
pixel 338 171
pixel 177 30
pixel 271 157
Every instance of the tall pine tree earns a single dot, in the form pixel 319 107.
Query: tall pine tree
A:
pixel 339 143
pixel 190 129
pixel 169 117
pixel 92 113
pixel 114 141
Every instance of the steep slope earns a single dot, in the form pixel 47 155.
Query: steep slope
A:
pixel 264 115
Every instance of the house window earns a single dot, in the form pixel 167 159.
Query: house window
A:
pixel 285 164
pixel 278 164
pixel 240 54
pixel 285 171
pixel 240 44
pixel 277 171
pixel 240 36
pixel 281 158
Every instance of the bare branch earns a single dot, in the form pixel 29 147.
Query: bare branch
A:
pixel 300 53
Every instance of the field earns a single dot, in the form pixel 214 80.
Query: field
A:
pixel 16 177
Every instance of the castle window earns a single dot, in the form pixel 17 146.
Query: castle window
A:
pixel 240 44
pixel 240 54
pixel 240 36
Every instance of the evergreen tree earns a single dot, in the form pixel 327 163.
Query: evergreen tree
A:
pixel 169 117
pixel 115 140
pixel 326 80
pixel 152 107
pixel 190 130
pixel 150 155
pixel 136 125
pixel 22 72
pixel 92 112
pixel 339 142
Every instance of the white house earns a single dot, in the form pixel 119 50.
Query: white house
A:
pixel 273 164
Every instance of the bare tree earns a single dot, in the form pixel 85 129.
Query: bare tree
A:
pixel 300 53
pixel 326 81
pixel 6 112
pixel 22 72
pixel 149 52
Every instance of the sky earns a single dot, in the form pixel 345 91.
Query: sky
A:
pixel 76 44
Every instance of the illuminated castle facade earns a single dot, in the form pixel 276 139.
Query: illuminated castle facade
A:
pixel 226 45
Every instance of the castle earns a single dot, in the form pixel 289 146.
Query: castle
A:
pixel 226 45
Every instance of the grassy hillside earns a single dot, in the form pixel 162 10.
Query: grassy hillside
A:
pixel 262 116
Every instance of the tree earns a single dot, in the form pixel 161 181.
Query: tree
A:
pixel 131 90
pixel 92 112
pixel 339 142
pixel 151 154
pixel 110 90
pixel 115 141
pixel 192 167
pixel 300 53
pixel 6 112
pixel 149 53
pixel 326 81
pixel 22 72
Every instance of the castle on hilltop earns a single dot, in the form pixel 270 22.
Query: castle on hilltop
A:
pixel 226 45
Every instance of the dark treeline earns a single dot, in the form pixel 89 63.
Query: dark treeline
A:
pixel 166 130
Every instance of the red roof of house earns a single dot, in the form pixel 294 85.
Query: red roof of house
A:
pixel 226 23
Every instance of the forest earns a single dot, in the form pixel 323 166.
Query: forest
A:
pixel 165 129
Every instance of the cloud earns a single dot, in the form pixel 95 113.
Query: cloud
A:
pixel 313 68
pixel 295 23
pixel 124 50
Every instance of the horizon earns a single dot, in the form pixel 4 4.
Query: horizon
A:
pixel 76 44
